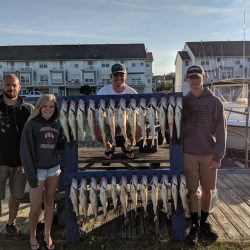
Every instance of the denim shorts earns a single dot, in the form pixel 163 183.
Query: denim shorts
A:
pixel 43 174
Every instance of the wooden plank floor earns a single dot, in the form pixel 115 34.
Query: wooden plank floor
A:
pixel 230 218
pixel 94 158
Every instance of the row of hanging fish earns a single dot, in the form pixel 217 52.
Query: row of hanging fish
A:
pixel 160 189
pixel 167 114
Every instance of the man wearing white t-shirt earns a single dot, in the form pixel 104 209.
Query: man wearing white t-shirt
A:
pixel 117 87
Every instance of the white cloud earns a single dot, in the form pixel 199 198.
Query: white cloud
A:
pixel 139 4
pixel 195 10
pixel 163 61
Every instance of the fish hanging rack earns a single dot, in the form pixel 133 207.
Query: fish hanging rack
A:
pixel 71 170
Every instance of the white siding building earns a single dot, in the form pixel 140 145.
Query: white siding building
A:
pixel 66 69
pixel 220 60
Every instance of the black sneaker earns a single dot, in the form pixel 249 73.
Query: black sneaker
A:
pixel 14 232
pixel 193 235
pixel 207 232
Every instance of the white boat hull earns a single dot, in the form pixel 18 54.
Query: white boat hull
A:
pixel 237 141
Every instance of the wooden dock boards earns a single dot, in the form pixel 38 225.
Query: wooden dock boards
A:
pixel 233 210
pixel 230 218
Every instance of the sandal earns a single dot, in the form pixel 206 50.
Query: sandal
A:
pixel 129 154
pixel 109 155
pixel 35 246
pixel 49 247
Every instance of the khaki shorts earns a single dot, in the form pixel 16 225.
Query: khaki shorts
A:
pixel 17 181
pixel 197 170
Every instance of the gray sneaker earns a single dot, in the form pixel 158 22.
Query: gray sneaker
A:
pixel 14 232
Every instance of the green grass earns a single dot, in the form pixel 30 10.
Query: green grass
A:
pixel 91 243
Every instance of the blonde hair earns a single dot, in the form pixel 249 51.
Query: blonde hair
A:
pixel 42 100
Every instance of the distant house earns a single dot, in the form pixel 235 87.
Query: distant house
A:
pixel 220 60
pixel 68 69
pixel 159 79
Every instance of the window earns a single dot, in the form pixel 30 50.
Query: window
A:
pixel 27 64
pixel 133 64
pixel 207 62
pixel 149 81
pixel 218 59
pixel 88 77
pixel 61 65
pixel 44 79
pixel 122 61
pixel 142 64
pixel 202 63
pixel 105 65
pixel 43 65
pixel 1 66
pixel 12 64
pixel 237 62
pixel 75 78
pixel 76 65
pixel 57 78
pixel 147 65
pixel 186 63
pixel 90 63
pixel 105 80
pixel 24 78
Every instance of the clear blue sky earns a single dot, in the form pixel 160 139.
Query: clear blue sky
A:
pixel 162 25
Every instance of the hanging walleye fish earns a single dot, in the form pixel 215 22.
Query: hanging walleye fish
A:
pixel 171 107
pixel 83 197
pixel 114 191
pixel 93 196
pixel 74 198
pixel 175 191
pixel 178 116
pixel 91 119
pixel 102 115
pixel 132 114
pixel 64 119
pixel 151 115
pixel 155 194
pixel 72 118
pixel 81 119
pixel 144 193
pixel 122 121
pixel 142 120
pixel 103 195
pixel 183 191
pixel 124 195
pixel 111 119
pixel 163 117
pixel 134 191
pixel 164 193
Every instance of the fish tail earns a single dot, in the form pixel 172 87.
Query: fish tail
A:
pixel 155 217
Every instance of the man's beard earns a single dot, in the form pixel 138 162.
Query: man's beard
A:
pixel 10 95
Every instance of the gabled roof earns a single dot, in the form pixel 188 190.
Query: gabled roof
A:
pixel 72 52
pixel 184 55
pixel 219 48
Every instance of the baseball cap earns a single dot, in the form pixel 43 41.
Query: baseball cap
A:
pixel 118 67
pixel 196 70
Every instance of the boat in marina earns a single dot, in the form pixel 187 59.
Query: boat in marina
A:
pixel 234 95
